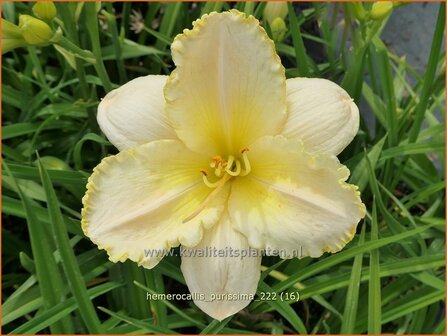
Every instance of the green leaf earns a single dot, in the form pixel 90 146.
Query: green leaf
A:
pixel 68 259
pixel 323 284
pixel 215 327
pixel 59 311
pixel 374 294
pixel 300 51
pixel 386 81
pixel 69 56
pixel 31 189
pixel 352 295
pixel 48 274
pixel 77 157
pixel 154 280
pixel 284 309
pixel 19 129
pixel 321 265
pixel 360 176
pixel 429 76
pixel 411 149
pixel 129 49
pixel 60 176
pixel 146 326
pixel 172 307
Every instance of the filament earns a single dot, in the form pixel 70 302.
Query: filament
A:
pixel 247 166
pixel 237 171
pixel 218 187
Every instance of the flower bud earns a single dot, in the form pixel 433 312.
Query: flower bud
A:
pixel 358 10
pixel 279 29
pixel 381 9
pixel 11 36
pixel 45 10
pixel 51 162
pixel 35 31
pixel 273 10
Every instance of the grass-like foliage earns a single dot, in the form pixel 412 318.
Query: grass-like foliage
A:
pixel 389 279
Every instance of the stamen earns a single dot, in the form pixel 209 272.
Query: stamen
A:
pixel 237 171
pixel 216 161
pixel 207 182
pixel 247 166
pixel 229 162
pixel 207 200
pixel 232 168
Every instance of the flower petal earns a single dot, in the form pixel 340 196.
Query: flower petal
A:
pixel 134 114
pixel 321 114
pixel 294 203
pixel 229 85
pixel 140 199
pixel 229 275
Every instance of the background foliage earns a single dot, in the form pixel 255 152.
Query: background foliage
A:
pixel 389 279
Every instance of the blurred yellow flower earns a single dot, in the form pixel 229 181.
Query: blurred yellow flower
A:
pixel 224 153
pixel 381 9
pixel 279 29
pixel 35 31
pixel 45 10
pixel 275 9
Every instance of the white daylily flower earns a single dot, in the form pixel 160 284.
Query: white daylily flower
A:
pixel 223 153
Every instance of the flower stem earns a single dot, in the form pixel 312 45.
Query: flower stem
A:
pixel 85 55
pixel 40 73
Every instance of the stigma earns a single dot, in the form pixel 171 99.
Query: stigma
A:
pixel 224 170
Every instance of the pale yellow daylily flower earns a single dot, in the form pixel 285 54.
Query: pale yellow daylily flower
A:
pixel 223 153
pixel 275 9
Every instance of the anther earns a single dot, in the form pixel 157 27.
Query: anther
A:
pixel 247 166
pixel 216 161
pixel 225 169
